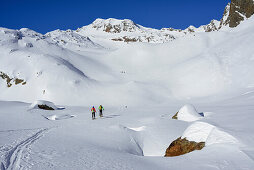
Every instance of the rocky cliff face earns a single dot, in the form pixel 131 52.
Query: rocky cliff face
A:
pixel 237 11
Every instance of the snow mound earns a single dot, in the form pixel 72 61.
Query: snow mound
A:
pixel 56 117
pixel 42 102
pixel 138 129
pixel 205 132
pixel 188 113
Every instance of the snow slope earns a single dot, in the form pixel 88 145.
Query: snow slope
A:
pixel 203 65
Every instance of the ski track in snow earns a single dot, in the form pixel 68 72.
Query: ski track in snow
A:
pixel 15 155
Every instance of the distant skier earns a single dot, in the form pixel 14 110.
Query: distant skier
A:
pixel 100 109
pixel 93 112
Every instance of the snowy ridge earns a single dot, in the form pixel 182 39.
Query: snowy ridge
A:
pixel 127 31
pixel 70 39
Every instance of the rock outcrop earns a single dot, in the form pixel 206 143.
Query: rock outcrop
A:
pixel 10 81
pixel 175 116
pixel 45 107
pixel 237 11
pixel 212 26
pixel 182 146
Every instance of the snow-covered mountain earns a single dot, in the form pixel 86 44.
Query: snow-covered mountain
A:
pixel 96 60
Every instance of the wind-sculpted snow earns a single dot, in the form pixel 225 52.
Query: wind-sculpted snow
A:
pixel 205 132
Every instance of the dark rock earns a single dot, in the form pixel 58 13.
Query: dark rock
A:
pixel 175 116
pixel 7 78
pixel 45 107
pixel 17 81
pixel 183 146
pixel 238 10
pixel 117 39
pixel 127 39
pixel 9 81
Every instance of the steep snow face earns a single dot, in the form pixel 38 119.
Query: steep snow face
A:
pixel 224 20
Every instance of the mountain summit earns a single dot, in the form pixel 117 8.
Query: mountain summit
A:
pixel 112 25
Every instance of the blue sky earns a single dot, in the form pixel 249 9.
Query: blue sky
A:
pixel 47 15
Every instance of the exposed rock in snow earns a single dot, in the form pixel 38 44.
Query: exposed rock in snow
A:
pixel 10 81
pixel 182 146
pixel 187 113
pixel 42 104
pixel 197 136
pixel 212 26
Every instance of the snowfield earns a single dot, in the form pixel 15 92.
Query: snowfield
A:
pixel 141 86
pixel 125 138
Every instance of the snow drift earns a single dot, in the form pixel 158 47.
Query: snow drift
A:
pixel 188 113
pixel 205 132
pixel 37 103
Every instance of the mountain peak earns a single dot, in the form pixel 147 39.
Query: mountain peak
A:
pixel 113 21
pixel 112 25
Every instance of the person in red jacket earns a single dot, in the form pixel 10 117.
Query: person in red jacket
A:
pixel 93 112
